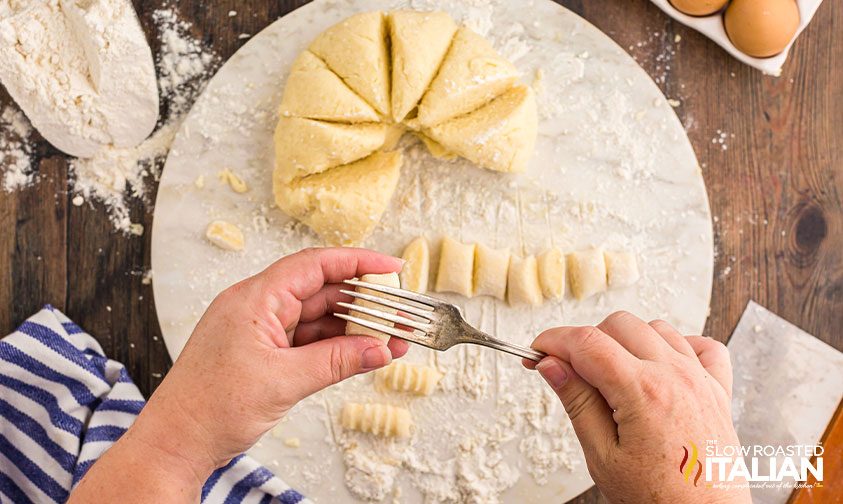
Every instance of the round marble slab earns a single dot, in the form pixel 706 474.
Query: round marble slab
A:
pixel 613 168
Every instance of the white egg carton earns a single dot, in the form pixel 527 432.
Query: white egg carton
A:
pixel 712 27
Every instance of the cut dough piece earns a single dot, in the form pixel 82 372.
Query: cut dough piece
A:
pixel 416 271
pixel 394 132
pixel 306 146
pixel 490 271
pixel 390 279
pixel 456 267
pixel 342 205
pixel 378 419
pixel 472 74
pixel 499 136
pixel 621 269
pixel 355 49
pixel 523 282
pixel 403 377
pixel 435 148
pixel 420 41
pixel 587 271
pixel 551 264
pixel 225 235
pixel 313 91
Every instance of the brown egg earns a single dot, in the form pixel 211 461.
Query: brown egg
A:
pixel 761 28
pixel 698 7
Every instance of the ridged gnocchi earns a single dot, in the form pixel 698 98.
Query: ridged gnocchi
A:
pixel 390 279
pixel 404 377
pixel 490 269
pixel 378 419
pixel 456 267
pixel 523 282
pixel 587 271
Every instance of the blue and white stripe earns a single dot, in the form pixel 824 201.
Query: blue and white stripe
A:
pixel 63 403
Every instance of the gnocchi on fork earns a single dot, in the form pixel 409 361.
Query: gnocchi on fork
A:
pixel 429 321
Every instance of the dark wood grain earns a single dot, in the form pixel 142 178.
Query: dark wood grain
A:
pixel 776 192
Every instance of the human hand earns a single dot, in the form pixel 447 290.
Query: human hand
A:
pixel 637 394
pixel 264 344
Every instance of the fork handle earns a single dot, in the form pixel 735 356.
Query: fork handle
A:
pixel 520 351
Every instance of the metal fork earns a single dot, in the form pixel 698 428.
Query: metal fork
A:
pixel 436 324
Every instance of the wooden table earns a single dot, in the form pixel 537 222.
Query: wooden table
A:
pixel 776 191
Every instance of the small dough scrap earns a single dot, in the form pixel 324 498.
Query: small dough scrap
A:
pixel 499 136
pixel 306 146
pixel 342 205
pixel 225 235
pixel 587 273
pixel 551 264
pixel 420 41
pixel 491 267
pixel 416 272
pixel 621 269
pixel 435 148
pixel 390 279
pixel 378 419
pixel 292 442
pixel 313 91
pixel 356 50
pixel 403 377
pixel 471 75
pixel 523 282
pixel 232 180
pixel 456 267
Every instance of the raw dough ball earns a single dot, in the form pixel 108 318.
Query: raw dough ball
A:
pixel 313 91
pixel 342 205
pixel 551 265
pixel 499 136
pixel 490 271
pixel 378 419
pixel 456 267
pixel 403 377
pixel 698 7
pixel 621 269
pixel 305 146
pixel 587 271
pixel 355 49
pixel 225 235
pixel 761 28
pixel 523 282
pixel 472 74
pixel 390 279
pixel 419 43
pixel 416 271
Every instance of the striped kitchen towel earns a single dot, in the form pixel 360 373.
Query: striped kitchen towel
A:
pixel 63 403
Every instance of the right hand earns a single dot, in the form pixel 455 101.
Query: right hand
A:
pixel 637 394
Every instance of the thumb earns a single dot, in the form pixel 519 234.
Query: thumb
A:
pixel 329 361
pixel 590 415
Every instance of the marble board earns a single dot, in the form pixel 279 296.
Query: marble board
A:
pixel 613 167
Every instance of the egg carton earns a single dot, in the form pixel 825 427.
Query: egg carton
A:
pixel 712 27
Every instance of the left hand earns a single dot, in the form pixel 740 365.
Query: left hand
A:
pixel 263 345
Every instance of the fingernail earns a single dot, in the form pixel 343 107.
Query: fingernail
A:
pixel 375 357
pixel 552 373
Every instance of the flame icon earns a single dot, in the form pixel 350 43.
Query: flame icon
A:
pixel 689 460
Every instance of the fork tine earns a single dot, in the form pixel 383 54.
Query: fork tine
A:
pixel 398 319
pixel 420 312
pixel 398 333
pixel 401 293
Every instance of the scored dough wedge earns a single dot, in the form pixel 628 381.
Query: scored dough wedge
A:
pixel 355 49
pixel 313 91
pixel 420 41
pixel 306 146
pixel 472 74
pixel 499 136
pixel 342 205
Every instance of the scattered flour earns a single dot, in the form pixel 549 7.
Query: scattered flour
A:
pixel 15 150
pixel 114 174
